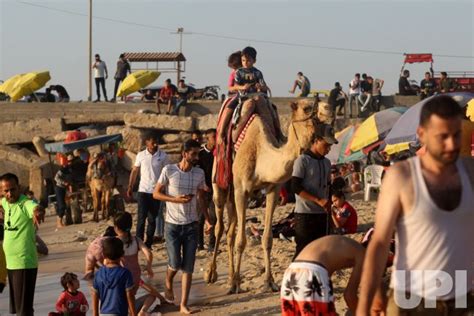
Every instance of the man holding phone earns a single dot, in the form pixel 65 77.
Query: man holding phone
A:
pixel 182 186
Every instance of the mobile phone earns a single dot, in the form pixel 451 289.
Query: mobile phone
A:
pixel 190 195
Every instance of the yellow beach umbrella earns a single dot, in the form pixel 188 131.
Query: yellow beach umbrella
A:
pixel 27 84
pixel 375 127
pixel 10 83
pixel 396 148
pixel 136 81
pixel 470 110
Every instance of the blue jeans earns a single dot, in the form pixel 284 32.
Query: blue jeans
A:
pixel 148 208
pixel 160 221
pixel 181 245
pixel 179 103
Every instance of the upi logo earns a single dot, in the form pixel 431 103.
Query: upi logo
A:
pixel 430 285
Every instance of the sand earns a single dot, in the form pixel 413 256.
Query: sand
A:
pixel 67 248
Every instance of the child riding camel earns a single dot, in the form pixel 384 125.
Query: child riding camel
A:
pixel 248 80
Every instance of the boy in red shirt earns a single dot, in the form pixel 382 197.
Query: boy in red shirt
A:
pixel 343 214
pixel 71 302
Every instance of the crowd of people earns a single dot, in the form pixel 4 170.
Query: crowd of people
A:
pixel 428 86
pixel 425 202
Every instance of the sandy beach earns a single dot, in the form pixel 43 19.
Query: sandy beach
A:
pixel 67 249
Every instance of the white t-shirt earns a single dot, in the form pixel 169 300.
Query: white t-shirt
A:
pixel 357 89
pixel 99 69
pixel 178 182
pixel 150 169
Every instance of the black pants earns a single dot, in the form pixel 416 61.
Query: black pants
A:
pixel 98 83
pixel 376 100
pixel 304 93
pixel 338 104
pixel 60 201
pixel 148 209
pixel 117 84
pixel 22 291
pixel 212 214
pixel 309 227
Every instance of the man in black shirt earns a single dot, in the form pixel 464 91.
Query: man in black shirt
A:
pixel 427 86
pixel 365 96
pixel 337 98
pixel 123 69
pixel 206 160
pixel 63 96
pixel 404 87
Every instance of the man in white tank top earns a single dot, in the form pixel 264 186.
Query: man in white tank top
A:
pixel 428 202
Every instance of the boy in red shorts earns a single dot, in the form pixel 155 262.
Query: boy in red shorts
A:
pixel 306 286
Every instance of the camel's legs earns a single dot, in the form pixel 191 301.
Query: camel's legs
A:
pixel 220 198
pixel 267 240
pixel 95 201
pixel 232 216
pixel 103 199
pixel 106 213
pixel 241 205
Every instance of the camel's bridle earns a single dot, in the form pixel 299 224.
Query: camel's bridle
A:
pixel 310 117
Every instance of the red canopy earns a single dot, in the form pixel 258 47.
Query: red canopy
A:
pixel 418 58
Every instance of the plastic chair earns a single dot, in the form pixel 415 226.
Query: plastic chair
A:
pixel 372 180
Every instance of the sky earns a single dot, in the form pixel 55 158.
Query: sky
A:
pixel 370 37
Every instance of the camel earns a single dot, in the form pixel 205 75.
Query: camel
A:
pixel 101 190
pixel 259 163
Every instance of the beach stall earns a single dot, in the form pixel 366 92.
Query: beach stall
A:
pixel 175 62
pixel 79 200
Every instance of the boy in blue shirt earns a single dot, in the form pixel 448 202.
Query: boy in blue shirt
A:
pixel 248 80
pixel 113 284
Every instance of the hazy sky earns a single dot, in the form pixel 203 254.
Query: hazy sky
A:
pixel 35 38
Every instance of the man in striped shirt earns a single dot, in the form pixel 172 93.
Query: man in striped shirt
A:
pixel 180 186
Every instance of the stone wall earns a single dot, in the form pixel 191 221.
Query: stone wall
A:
pixel 19 132
pixel 29 167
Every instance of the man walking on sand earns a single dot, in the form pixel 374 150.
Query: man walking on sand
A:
pixel 149 164
pixel 19 245
pixel 180 186
pixel 427 201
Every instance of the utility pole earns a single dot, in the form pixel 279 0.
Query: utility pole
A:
pixel 89 66
pixel 181 32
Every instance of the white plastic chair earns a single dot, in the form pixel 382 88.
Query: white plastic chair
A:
pixel 372 180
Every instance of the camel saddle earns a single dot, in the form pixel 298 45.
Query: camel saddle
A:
pixel 243 116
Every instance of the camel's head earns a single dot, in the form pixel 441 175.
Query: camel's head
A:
pixel 303 121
